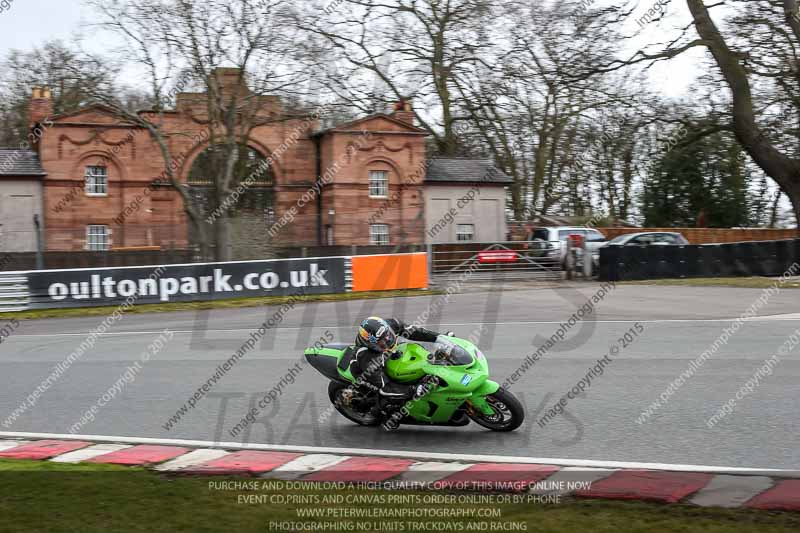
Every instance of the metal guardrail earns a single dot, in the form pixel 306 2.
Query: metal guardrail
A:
pixel 518 260
pixel 14 293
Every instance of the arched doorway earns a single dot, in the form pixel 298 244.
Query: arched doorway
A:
pixel 249 212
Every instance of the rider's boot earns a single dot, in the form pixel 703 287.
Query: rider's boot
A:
pixel 393 397
pixel 392 422
pixel 398 396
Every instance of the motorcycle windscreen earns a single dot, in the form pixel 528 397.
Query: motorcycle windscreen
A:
pixel 451 355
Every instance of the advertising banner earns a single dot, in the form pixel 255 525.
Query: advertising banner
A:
pixel 390 272
pixel 186 283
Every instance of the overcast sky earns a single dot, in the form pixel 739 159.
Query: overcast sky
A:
pixel 28 23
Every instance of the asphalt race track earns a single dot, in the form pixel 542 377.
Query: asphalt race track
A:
pixel 679 323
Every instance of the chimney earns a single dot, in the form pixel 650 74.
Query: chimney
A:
pixel 41 106
pixel 227 79
pixel 403 112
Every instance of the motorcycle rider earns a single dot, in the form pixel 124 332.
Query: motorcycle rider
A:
pixel 375 342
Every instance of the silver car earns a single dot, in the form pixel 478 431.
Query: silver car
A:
pixel 556 238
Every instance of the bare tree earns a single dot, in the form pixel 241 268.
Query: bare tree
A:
pixel 72 79
pixel 738 68
pixel 757 57
pixel 191 42
pixel 539 120
pixel 420 50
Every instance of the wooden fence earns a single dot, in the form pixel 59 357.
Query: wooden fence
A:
pixel 713 235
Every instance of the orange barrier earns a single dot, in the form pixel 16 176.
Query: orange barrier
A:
pixel 388 272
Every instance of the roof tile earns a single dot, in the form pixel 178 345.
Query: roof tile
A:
pixel 464 170
pixel 20 163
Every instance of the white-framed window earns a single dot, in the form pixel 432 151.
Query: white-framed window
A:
pixel 378 183
pixel 379 234
pixel 465 232
pixel 97 238
pixel 96 181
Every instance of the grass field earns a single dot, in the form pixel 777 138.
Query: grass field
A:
pixel 232 303
pixel 52 497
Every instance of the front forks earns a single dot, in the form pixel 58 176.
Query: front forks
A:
pixel 478 400
pixel 479 403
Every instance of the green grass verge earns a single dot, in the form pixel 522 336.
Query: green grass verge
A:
pixel 749 282
pixel 232 303
pixel 41 496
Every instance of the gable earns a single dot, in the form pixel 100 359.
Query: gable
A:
pixel 95 114
pixel 379 122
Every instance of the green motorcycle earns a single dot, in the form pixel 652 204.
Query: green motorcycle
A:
pixel 462 390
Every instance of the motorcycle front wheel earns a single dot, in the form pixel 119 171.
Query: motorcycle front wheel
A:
pixel 364 418
pixel 508 412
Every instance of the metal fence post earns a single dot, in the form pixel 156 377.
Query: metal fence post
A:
pixel 569 260
pixel 587 260
pixel 429 251
pixel 39 244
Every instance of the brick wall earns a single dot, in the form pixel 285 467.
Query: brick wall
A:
pixel 93 136
pixel 395 147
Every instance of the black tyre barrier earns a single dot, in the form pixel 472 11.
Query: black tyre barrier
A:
pixel 756 258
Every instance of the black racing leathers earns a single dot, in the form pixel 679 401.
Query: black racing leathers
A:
pixel 369 366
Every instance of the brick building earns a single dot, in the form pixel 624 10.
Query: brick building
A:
pixel 96 174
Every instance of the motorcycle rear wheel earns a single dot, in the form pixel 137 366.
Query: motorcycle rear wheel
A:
pixel 335 390
pixel 509 413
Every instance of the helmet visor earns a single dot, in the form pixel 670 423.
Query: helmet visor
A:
pixel 387 341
